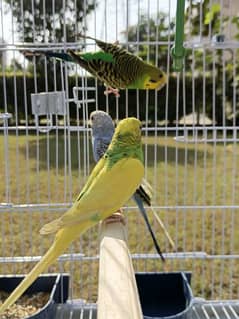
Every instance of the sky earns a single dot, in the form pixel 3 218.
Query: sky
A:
pixel 113 16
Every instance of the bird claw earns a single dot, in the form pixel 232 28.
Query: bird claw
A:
pixel 116 218
pixel 110 90
pixel 32 53
pixel 28 53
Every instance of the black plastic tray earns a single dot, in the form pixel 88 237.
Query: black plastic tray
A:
pixel 55 284
pixel 165 295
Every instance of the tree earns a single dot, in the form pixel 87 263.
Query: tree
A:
pixel 149 29
pixel 40 21
pixel 43 22
pixel 215 20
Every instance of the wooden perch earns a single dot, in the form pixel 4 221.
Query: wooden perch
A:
pixel 117 293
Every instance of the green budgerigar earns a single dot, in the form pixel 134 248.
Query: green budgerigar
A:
pixel 114 66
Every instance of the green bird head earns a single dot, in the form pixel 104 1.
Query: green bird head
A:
pixel 126 141
pixel 128 129
pixel 154 78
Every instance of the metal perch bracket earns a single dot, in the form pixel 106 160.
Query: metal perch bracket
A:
pixel 55 103
pixel 48 103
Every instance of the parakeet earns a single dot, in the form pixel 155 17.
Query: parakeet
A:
pixel 102 128
pixel 112 182
pixel 114 66
pixel 102 131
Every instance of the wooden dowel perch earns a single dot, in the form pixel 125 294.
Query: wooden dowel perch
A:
pixel 117 291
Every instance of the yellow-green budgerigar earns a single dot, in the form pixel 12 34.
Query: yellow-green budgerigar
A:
pixel 112 182
pixel 114 66
pixel 102 127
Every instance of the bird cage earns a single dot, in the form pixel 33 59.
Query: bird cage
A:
pixel 190 140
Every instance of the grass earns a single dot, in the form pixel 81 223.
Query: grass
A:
pixel 183 175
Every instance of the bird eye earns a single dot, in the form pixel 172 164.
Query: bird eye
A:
pixel 160 75
pixel 92 118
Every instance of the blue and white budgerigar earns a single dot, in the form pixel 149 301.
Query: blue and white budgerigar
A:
pixel 102 132
pixel 102 128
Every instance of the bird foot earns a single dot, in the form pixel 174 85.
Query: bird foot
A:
pixel 110 90
pixel 116 218
pixel 29 53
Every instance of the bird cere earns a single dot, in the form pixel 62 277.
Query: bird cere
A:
pixel 114 66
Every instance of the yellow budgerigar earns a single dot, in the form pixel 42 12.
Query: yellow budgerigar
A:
pixel 111 183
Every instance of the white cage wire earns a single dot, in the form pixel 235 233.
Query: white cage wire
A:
pixel 190 138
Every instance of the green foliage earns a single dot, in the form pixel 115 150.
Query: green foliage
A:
pixel 150 30
pixel 235 22
pixel 42 22
pixel 212 13
pixel 207 16
pixel 210 18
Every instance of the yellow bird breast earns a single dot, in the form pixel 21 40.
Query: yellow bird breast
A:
pixel 110 190
pixel 115 185
pixel 127 175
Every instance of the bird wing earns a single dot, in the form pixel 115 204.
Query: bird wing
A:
pixel 104 67
pixel 95 62
pixel 55 225
pixel 117 183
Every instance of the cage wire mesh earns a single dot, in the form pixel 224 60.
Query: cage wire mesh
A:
pixel 190 136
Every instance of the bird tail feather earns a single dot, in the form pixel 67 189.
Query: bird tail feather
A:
pixel 50 54
pixel 62 240
pixel 145 192
pixel 139 202
pixel 47 259
pixel 164 229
